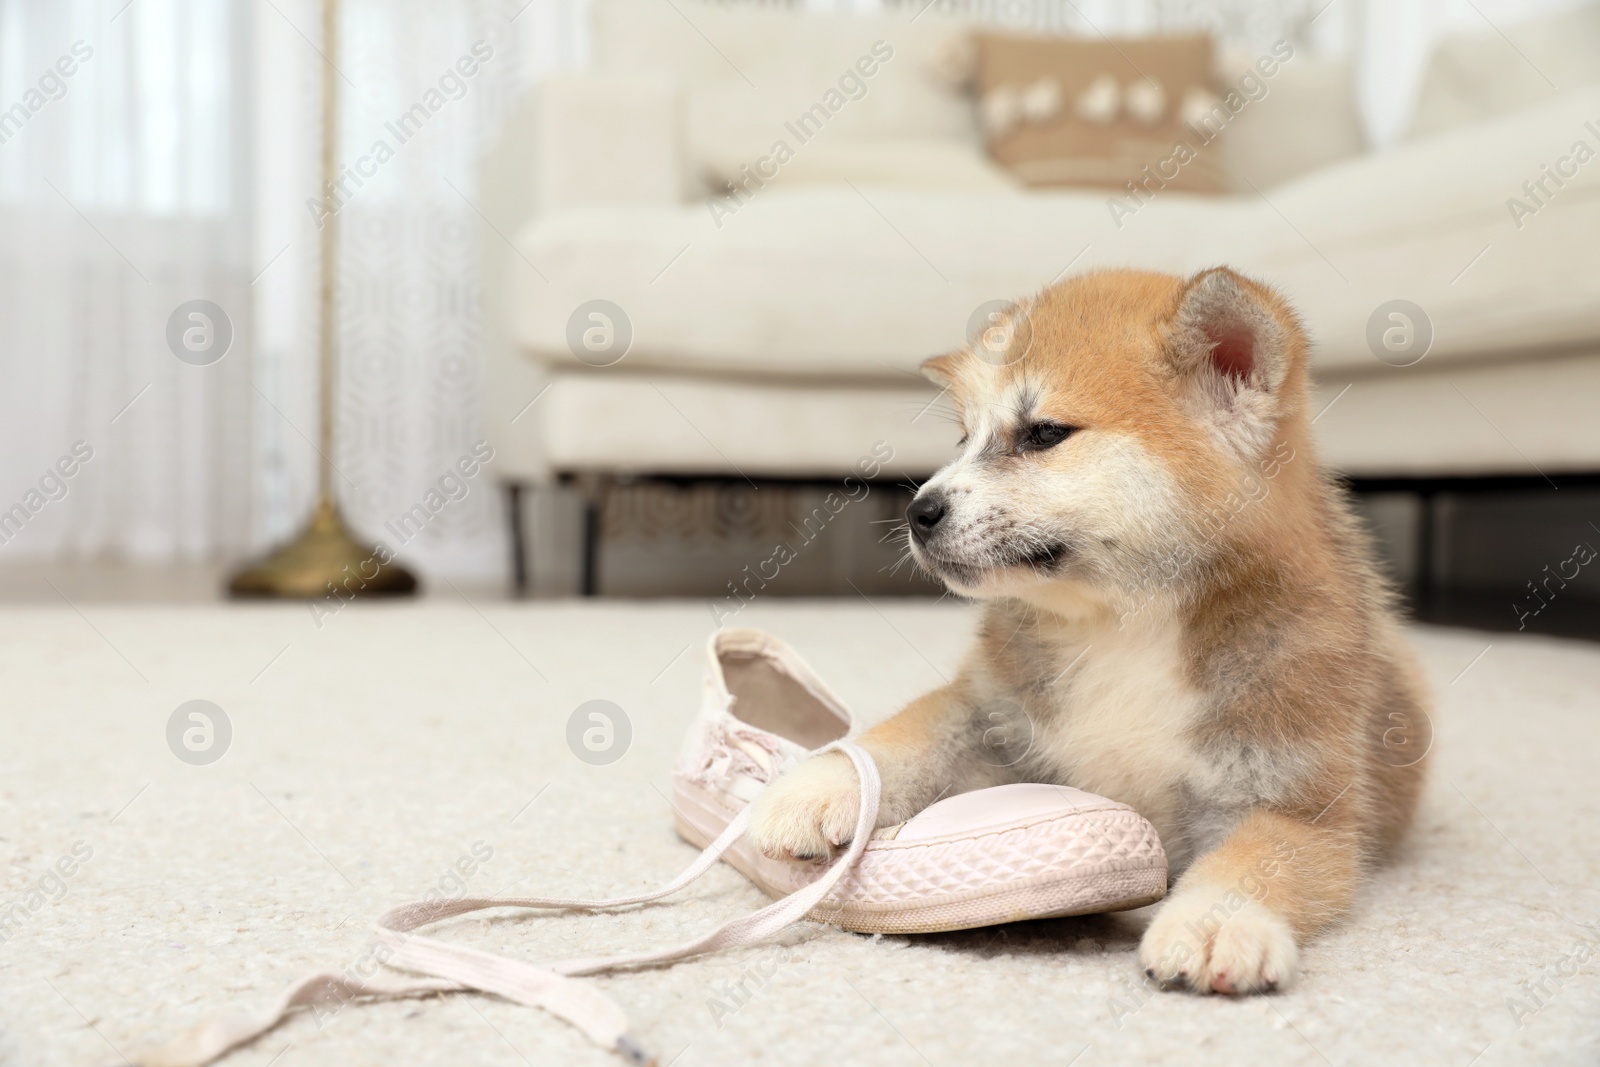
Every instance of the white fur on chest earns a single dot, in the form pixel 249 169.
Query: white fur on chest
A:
pixel 1121 722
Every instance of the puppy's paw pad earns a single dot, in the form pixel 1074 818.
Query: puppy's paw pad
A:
pixel 809 812
pixel 1216 941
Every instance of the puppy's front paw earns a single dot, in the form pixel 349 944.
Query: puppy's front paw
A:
pixel 1214 940
pixel 808 812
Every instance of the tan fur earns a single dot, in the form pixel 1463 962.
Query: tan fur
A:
pixel 1180 609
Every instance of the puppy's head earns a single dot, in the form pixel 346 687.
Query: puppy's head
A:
pixel 1105 427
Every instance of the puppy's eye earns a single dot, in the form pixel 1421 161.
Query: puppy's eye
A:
pixel 1042 435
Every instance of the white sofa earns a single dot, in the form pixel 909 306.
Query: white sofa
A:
pixel 783 338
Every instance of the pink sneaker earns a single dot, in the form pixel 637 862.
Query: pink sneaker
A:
pixel 990 856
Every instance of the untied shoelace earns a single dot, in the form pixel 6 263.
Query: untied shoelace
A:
pixel 555 987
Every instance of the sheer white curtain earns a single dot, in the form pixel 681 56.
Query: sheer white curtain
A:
pixel 122 195
pixel 162 151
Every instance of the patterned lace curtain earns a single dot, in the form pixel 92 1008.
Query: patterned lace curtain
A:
pixel 424 87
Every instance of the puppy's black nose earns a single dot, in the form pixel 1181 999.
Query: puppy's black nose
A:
pixel 924 515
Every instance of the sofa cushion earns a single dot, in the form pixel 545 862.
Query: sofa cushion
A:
pixel 666 423
pixel 754 76
pixel 1306 119
pixel 858 281
pixel 1080 112
pixel 1525 417
pixel 1490 72
pixel 915 162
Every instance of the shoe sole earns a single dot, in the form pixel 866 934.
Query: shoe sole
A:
pixel 1078 863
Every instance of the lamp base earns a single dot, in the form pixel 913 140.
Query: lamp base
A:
pixel 325 559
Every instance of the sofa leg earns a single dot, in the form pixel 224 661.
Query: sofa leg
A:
pixel 1427 546
pixel 519 548
pixel 591 546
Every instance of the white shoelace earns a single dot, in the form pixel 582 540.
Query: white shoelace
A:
pixel 553 986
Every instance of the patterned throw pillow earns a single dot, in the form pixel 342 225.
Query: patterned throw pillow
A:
pixel 1102 113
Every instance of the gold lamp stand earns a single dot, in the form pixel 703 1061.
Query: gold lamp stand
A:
pixel 325 558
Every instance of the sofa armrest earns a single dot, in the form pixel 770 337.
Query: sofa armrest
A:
pixel 576 139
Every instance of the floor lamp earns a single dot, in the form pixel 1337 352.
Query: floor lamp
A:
pixel 325 558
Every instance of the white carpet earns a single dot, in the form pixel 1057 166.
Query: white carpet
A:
pixel 370 756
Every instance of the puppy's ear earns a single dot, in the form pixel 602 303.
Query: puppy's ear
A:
pixel 1232 343
pixel 942 370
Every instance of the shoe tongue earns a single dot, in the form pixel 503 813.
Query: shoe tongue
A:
pixel 985 810
pixel 764 758
pixel 744 759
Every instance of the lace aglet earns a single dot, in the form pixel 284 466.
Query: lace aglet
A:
pixel 634 1052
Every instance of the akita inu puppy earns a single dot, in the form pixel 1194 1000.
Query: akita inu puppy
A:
pixel 1180 613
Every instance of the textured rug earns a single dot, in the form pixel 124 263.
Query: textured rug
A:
pixel 395 751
